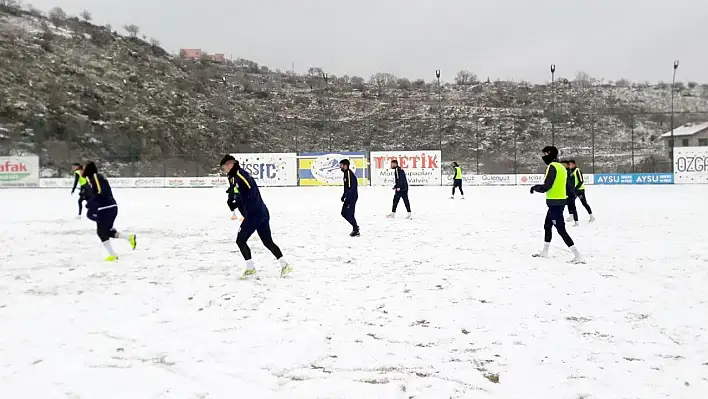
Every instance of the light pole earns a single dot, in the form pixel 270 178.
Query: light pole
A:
pixel 437 75
pixel 553 104
pixel 673 83
pixel 325 77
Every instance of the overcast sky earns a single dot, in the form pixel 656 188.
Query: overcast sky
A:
pixel 506 39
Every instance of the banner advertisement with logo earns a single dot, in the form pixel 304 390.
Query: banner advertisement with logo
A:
pixel 530 180
pixel 270 169
pixel 634 178
pixel 422 167
pixel 691 165
pixel 19 171
pixel 322 168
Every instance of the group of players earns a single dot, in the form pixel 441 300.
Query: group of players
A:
pixel 563 183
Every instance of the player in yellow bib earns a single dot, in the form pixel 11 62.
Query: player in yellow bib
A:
pixel 457 180
pixel 580 187
pixel 80 181
pixel 556 187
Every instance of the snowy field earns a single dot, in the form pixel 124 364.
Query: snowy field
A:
pixel 449 304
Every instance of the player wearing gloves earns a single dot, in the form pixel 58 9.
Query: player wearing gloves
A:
pixel 350 196
pixel 103 209
pixel 555 185
pixel 401 189
pixel 234 199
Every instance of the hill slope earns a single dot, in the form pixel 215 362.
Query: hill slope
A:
pixel 71 90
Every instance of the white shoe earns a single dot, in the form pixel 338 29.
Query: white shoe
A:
pixel 577 257
pixel 569 219
pixel 453 197
pixel 576 224
pixel 542 254
pixel 409 216
pixel 463 197
pixel 592 218
pixel 391 215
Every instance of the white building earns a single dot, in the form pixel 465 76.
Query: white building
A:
pixel 688 135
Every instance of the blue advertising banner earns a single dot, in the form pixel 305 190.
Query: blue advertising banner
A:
pixel 322 168
pixel 634 178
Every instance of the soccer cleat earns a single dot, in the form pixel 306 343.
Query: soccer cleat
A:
pixel 354 233
pixel 592 218
pixel 541 254
pixel 576 224
pixel 463 197
pixel 569 219
pixel 111 258
pixel 453 197
pixel 285 270
pixel 248 273
pixel 391 215
pixel 133 239
pixel 409 216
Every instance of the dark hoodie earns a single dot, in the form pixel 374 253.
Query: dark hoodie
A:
pixel 101 194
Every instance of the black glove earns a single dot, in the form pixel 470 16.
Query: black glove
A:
pixel 342 198
pixel 533 188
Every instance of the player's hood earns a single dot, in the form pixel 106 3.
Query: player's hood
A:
pixel 90 169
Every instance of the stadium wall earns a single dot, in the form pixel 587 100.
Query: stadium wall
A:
pixel 424 168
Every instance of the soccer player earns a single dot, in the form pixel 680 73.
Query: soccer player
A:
pixel 256 217
pixel 350 196
pixel 103 209
pixel 555 186
pixel 580 187
pixel 234 199
pixel 457 180
pixel 401 188
pixel 572 210
pixel 79 180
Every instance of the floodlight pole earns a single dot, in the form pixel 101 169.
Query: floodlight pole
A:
pixel 673 84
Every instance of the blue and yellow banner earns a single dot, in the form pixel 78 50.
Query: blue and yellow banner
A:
pixel 322 168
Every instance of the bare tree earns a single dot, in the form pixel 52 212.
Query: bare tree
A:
pixel 357 82
pixel 465 78
pixel 86 15
pixel 132 29
pixel 384 79
pixel 154 42
pixel 57 16
pixel 583 79
pixel 315 71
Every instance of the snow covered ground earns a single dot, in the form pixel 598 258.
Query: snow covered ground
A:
pixel 449 304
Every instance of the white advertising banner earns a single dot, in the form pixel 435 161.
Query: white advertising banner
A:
pixel 529 179
pixel 422 167
pixel 270 169
pixel 690 165
pixel 19 172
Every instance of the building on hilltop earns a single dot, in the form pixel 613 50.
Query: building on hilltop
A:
pixel 190 53
pixel 197 54
pixel 688 135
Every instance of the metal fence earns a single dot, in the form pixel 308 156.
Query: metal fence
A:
pixel 599 142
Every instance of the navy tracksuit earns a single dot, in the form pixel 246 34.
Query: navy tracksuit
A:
pixel 255 214
pixel 102 207
pixel 401 187
pixel 349 198
pixel 571 195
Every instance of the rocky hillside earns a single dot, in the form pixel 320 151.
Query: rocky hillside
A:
pixel 70 90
